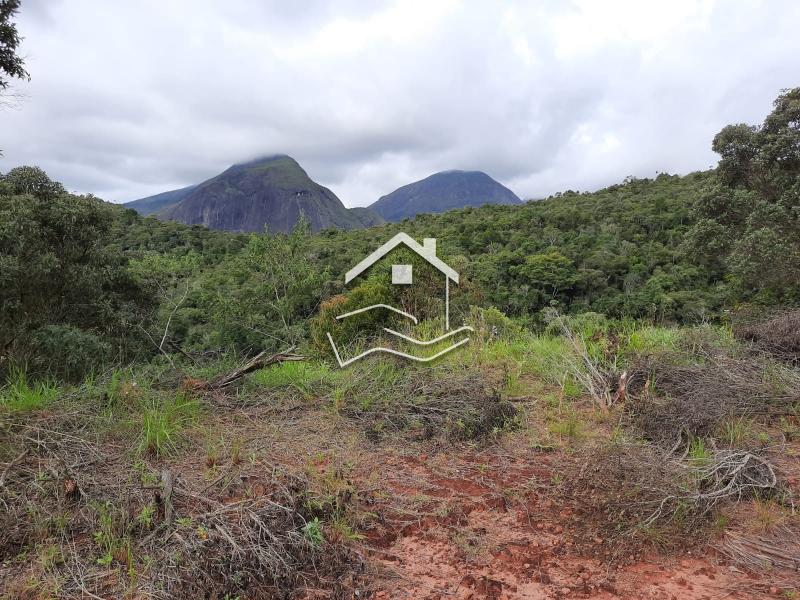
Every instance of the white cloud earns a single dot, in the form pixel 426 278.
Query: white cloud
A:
pixel 130 99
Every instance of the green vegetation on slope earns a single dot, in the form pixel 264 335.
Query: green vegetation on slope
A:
pixel 114 286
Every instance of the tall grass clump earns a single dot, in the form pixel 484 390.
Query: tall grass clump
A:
pixel 547 358
pixel 162 424
pixel 21 395
pixel 652 340
pixel 307 378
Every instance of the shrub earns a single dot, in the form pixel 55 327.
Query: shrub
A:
pixel 68 352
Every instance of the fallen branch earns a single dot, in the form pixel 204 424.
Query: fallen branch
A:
pixel 168 480
pixel 11 464
pixel 261 360
pixel 780 550
pixel 732 475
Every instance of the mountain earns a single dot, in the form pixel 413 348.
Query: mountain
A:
pixel 442 192
pixel 272 191
pixel 159 202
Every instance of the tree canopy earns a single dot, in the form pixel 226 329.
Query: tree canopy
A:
pixel 748 221
pixel 11 63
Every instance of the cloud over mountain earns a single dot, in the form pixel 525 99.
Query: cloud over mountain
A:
pixel 130 99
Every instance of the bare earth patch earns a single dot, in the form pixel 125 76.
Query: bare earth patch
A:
pixel 480 525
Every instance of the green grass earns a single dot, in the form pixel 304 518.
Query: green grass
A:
pixel 305 377
pixel 543 356
pixel 209 370
pixel 21 395
pixel 312 531
pixel 568 425
pixel 163 422
pixel 737 431
pixel 546 357
pixel 652 340
pixel 698 453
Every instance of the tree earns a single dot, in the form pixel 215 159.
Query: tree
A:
pixel 748 220
pixel 549 276
pixel 34 181
pixel 11 64
pixel 67 300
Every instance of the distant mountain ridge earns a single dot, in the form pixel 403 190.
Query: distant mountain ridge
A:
pixel 441 192
pixel 154 204
pixel 272 191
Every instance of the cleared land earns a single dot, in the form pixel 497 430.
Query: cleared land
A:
pixel 524 467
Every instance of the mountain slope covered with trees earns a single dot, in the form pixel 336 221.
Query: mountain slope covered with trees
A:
pixel 671 249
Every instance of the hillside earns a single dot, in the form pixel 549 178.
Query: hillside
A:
pixel 442 192
pixel 617 251
pixel 154 204
pixel 268 192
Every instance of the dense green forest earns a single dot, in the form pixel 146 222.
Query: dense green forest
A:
pixel 84 283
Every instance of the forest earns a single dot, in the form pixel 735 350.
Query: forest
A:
pixel 111 287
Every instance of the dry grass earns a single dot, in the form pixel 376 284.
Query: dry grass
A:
pixel 677 402
pixel 632 497
pixel 430 403
pixel 778 549
pixel 779 334
pixel 104 523
pixel 616 488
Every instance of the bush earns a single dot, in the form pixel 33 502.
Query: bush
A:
pixel 67 352
pixel 64 284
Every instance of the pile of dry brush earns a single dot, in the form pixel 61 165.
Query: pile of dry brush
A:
pixel 101 529
pixel 778 335
pixel 674 402
pixel 436 402
pixel 647 488
pixel 631 496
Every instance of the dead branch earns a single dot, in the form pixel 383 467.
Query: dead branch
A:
pixel 10 465
pixel 780 550
pixel 261 360
pixel 733 474
pixel 167 480
pixel 592 378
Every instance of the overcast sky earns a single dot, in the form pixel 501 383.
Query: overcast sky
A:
pixel 128 99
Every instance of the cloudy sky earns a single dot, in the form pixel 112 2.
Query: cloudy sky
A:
pixel 129 99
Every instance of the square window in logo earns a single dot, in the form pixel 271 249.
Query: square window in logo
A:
pixel 401 274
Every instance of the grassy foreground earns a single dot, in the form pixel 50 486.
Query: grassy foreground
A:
pixel 626 442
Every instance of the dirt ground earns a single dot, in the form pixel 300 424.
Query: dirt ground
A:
pixel 474 542
pixel 478 520
pixel 440 519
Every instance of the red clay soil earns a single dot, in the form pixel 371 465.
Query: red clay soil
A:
pixel 479 526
